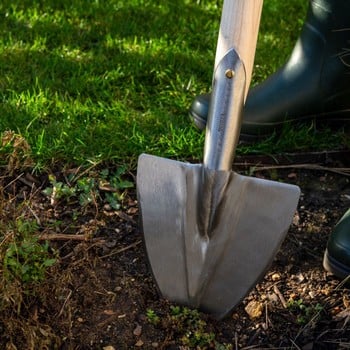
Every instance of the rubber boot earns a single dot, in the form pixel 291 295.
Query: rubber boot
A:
pixel 313 84
pixel 337 256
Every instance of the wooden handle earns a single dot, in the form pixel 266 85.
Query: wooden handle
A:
pixel 239 27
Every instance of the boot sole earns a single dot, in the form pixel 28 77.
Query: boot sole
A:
pixel 335 267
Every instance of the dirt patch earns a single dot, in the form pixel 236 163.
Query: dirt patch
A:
pixel 100 294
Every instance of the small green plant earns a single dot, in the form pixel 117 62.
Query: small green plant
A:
pixel 25 258
pixel 87 190
pixel 58 190
pixel 152 317
pixel 116 182
pixel 193 329
pixel 195 333
pixel 304 313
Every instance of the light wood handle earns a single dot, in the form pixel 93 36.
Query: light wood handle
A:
pixel 239 27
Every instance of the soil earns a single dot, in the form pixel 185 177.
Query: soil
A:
pixel 101 295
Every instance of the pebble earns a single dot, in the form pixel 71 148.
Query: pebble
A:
pixel 276 277
pixel 139 343
pixel 137 331
pixel 254 309
pixel 273 297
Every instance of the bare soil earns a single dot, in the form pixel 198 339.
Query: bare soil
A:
pixel 101 295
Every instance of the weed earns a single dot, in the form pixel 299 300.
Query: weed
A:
pixel 25 284
pixel 109 186
pixel 304 313
pixel 193 329
pixel 58 190
pixel 25 258
pixel 87 190
pixel 116 184
pixel 189 327
pixel 152 317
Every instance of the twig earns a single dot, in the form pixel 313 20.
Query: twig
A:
pixel 268 321
pixel 26 182
pixel 133 245
pixel 78 176
pixel 296 346
pixel 65 302
pixel 281 297
pixel 125 217
pixel 257 167
pixel 63 237
pixel 34 214
pixel 236 341
pixel 13 181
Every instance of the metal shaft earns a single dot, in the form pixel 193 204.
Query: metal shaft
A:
pixel 234 59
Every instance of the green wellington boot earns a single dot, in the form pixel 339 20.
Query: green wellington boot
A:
pixel 313 85
pixel 337 256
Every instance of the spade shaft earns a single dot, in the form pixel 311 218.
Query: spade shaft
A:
pixel 233 67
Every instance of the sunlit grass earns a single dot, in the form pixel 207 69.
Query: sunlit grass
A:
pixel 86 81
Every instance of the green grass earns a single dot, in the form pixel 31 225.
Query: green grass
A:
pixel 95 80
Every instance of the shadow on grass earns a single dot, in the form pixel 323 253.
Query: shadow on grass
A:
pixel 81 63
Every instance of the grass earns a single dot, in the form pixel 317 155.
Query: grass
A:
pixel 97 80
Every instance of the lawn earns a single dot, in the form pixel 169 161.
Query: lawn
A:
pixel 97 81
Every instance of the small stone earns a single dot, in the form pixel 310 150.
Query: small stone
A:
pixel 155 345
pixel 109 312
pixel 139 343
pixel 264 326
pixel 137 331
pixel 312 294
pixel 273 297
pixel 107 207
pixel 300 277
pixel 296 219
pixel 109 347
pixel 254 309
pixel 276 277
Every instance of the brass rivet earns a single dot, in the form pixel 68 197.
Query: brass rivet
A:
pixel 229 73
